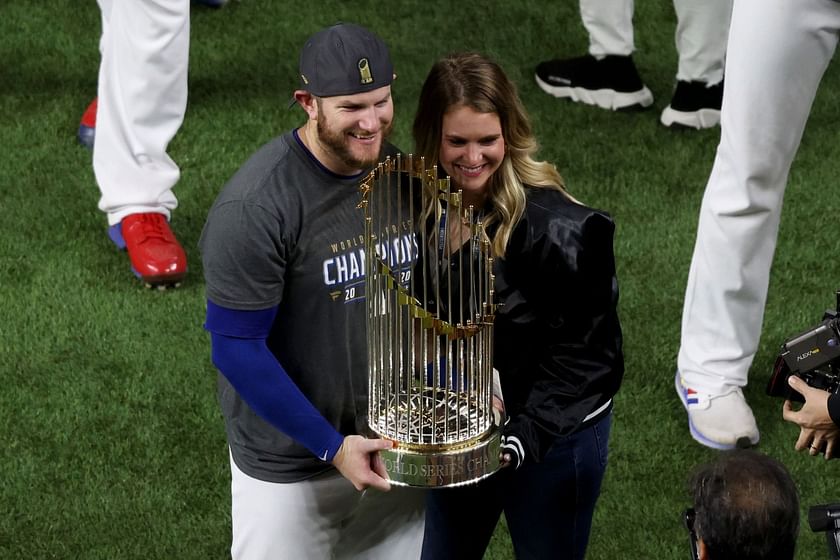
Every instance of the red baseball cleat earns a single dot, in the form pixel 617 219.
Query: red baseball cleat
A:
pixel 87 126
pixel 156 256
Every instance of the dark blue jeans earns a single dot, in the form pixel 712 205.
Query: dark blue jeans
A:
pixel 548 505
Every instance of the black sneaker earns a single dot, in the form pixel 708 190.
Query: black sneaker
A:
pixel 611 82
pixel 694 105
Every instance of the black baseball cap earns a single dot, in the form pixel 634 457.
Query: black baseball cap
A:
pixel 344 59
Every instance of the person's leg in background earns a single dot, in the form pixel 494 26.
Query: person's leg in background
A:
pixel 86 133
pixel 607 76
pixel 765 107
pixel 142 97
pixel 702 30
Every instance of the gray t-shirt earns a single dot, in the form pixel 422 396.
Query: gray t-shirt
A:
pixel 286 231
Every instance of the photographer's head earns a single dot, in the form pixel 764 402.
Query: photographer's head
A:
pixel 746 507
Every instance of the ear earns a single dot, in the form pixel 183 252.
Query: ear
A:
pixel 307 101
pixel 702 554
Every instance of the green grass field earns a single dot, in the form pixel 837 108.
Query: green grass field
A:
pixel 112 442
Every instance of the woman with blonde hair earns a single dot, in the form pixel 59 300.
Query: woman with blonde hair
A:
pixel 557 335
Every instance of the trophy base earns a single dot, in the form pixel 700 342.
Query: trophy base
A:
pixel 444 468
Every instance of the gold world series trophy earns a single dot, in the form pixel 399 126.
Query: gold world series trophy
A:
pixel 429 294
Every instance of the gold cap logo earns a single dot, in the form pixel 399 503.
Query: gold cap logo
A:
pixel 305 81
pixel 364 71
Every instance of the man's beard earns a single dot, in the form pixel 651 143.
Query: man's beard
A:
pixel 338 144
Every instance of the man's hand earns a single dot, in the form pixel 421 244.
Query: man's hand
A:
pixel 817 430
pixel 359 462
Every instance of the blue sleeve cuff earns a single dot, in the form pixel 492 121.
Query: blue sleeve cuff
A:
pixel 238 323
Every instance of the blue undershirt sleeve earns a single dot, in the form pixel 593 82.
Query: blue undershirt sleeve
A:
pixel 239 351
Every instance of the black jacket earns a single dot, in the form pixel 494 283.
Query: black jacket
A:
pixel 557 340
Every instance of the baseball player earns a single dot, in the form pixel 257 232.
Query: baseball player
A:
pixel 286 315
pixel 778 52
pixel 607 76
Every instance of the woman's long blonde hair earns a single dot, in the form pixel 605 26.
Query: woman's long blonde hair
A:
pixel 472 80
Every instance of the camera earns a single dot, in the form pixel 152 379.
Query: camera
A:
pixel 813 355
pixel 826 518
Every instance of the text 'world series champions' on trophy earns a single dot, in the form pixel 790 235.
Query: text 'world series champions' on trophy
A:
pixel 429 288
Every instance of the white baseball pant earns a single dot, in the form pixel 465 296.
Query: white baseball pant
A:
pixel 323 517
pixel 778 52
pixel 142 99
